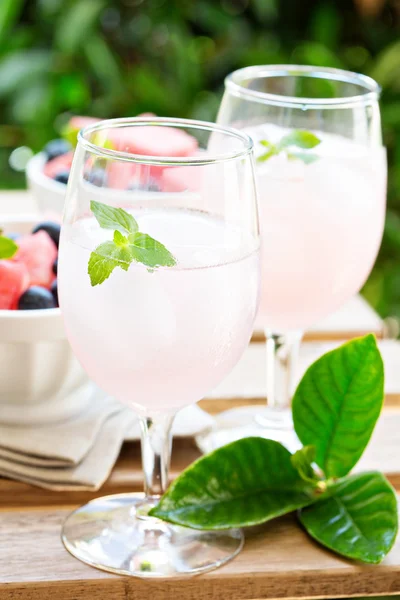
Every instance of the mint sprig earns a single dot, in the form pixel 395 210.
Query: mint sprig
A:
pixel 298 138
pixel 7 247
pixel 128 245
pixel 254 480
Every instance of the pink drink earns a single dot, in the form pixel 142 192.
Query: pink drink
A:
pixel 321 226
pixel 160 340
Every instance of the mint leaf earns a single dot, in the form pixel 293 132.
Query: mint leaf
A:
pixel 123 250
pixel 357 518
pixel 105 258
pixel 302 461
pixel 337 403
pixel 148 251
pixel 119 239
pixel 245 483
pixel 7 247
pixel 110 217
pixel 300 138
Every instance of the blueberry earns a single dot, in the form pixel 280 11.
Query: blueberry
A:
pixel 55 266
pixel 62 177
pixel 97 177
pixel 52 228
pixel 56 148
pixel 54 291
pixel 36 297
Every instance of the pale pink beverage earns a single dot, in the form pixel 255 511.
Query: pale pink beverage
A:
pixel 321 226
pixel 160 340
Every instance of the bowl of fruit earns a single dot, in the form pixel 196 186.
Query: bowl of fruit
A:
pixel 40 379
pixel 48 172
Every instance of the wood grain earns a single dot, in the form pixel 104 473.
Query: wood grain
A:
pixel 279 561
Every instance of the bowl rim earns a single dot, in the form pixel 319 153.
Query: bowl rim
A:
pixel 34 171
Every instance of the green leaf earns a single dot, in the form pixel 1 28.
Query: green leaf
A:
pixel 247 482
pixel 123 250
pixel 110 217
pixel 76 23
pixel 22 67
pixel 300 138
pixel 302 461
pixel 10 11
pixel 359 520
pixel 273 151
pixel 7 247
pixel 105 258
pixel 337 404
pixel 120 239
pixel 149 251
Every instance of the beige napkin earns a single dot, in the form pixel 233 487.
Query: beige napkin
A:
pixel 79 453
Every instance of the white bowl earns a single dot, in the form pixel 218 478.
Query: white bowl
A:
pixel 41 381
pixel 48 193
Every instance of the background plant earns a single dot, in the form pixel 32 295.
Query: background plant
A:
pixel 122 57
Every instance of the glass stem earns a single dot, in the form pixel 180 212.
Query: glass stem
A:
pixel 156 439
pixel 282 357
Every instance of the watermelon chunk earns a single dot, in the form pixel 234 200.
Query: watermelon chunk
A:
pixel 38 253
pixel 14 281
pixel 58 164
pixel 157 141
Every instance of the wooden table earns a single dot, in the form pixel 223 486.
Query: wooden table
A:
pixel 278 561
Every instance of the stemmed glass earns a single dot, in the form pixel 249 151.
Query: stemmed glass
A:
pixel 165 322
pixel 321 179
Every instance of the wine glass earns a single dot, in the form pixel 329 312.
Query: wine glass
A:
pixel 321 179
pixel 158 285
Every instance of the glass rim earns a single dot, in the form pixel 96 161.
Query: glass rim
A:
pixel 209 158
pixel 371 87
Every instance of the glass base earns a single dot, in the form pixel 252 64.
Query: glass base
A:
pixel 113 534
pixel 247 421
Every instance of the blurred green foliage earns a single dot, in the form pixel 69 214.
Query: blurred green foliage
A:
pixel 122 57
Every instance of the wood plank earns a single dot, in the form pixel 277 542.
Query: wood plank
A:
pixel 279 561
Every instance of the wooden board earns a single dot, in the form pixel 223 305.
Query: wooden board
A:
pixel 278 561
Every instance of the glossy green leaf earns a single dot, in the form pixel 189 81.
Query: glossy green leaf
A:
pixel 359 520
pixel 302 460
pixel 247 482
pixel 337 404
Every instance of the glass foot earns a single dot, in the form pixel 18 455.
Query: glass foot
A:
pixel 248 421
pixel 112 534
